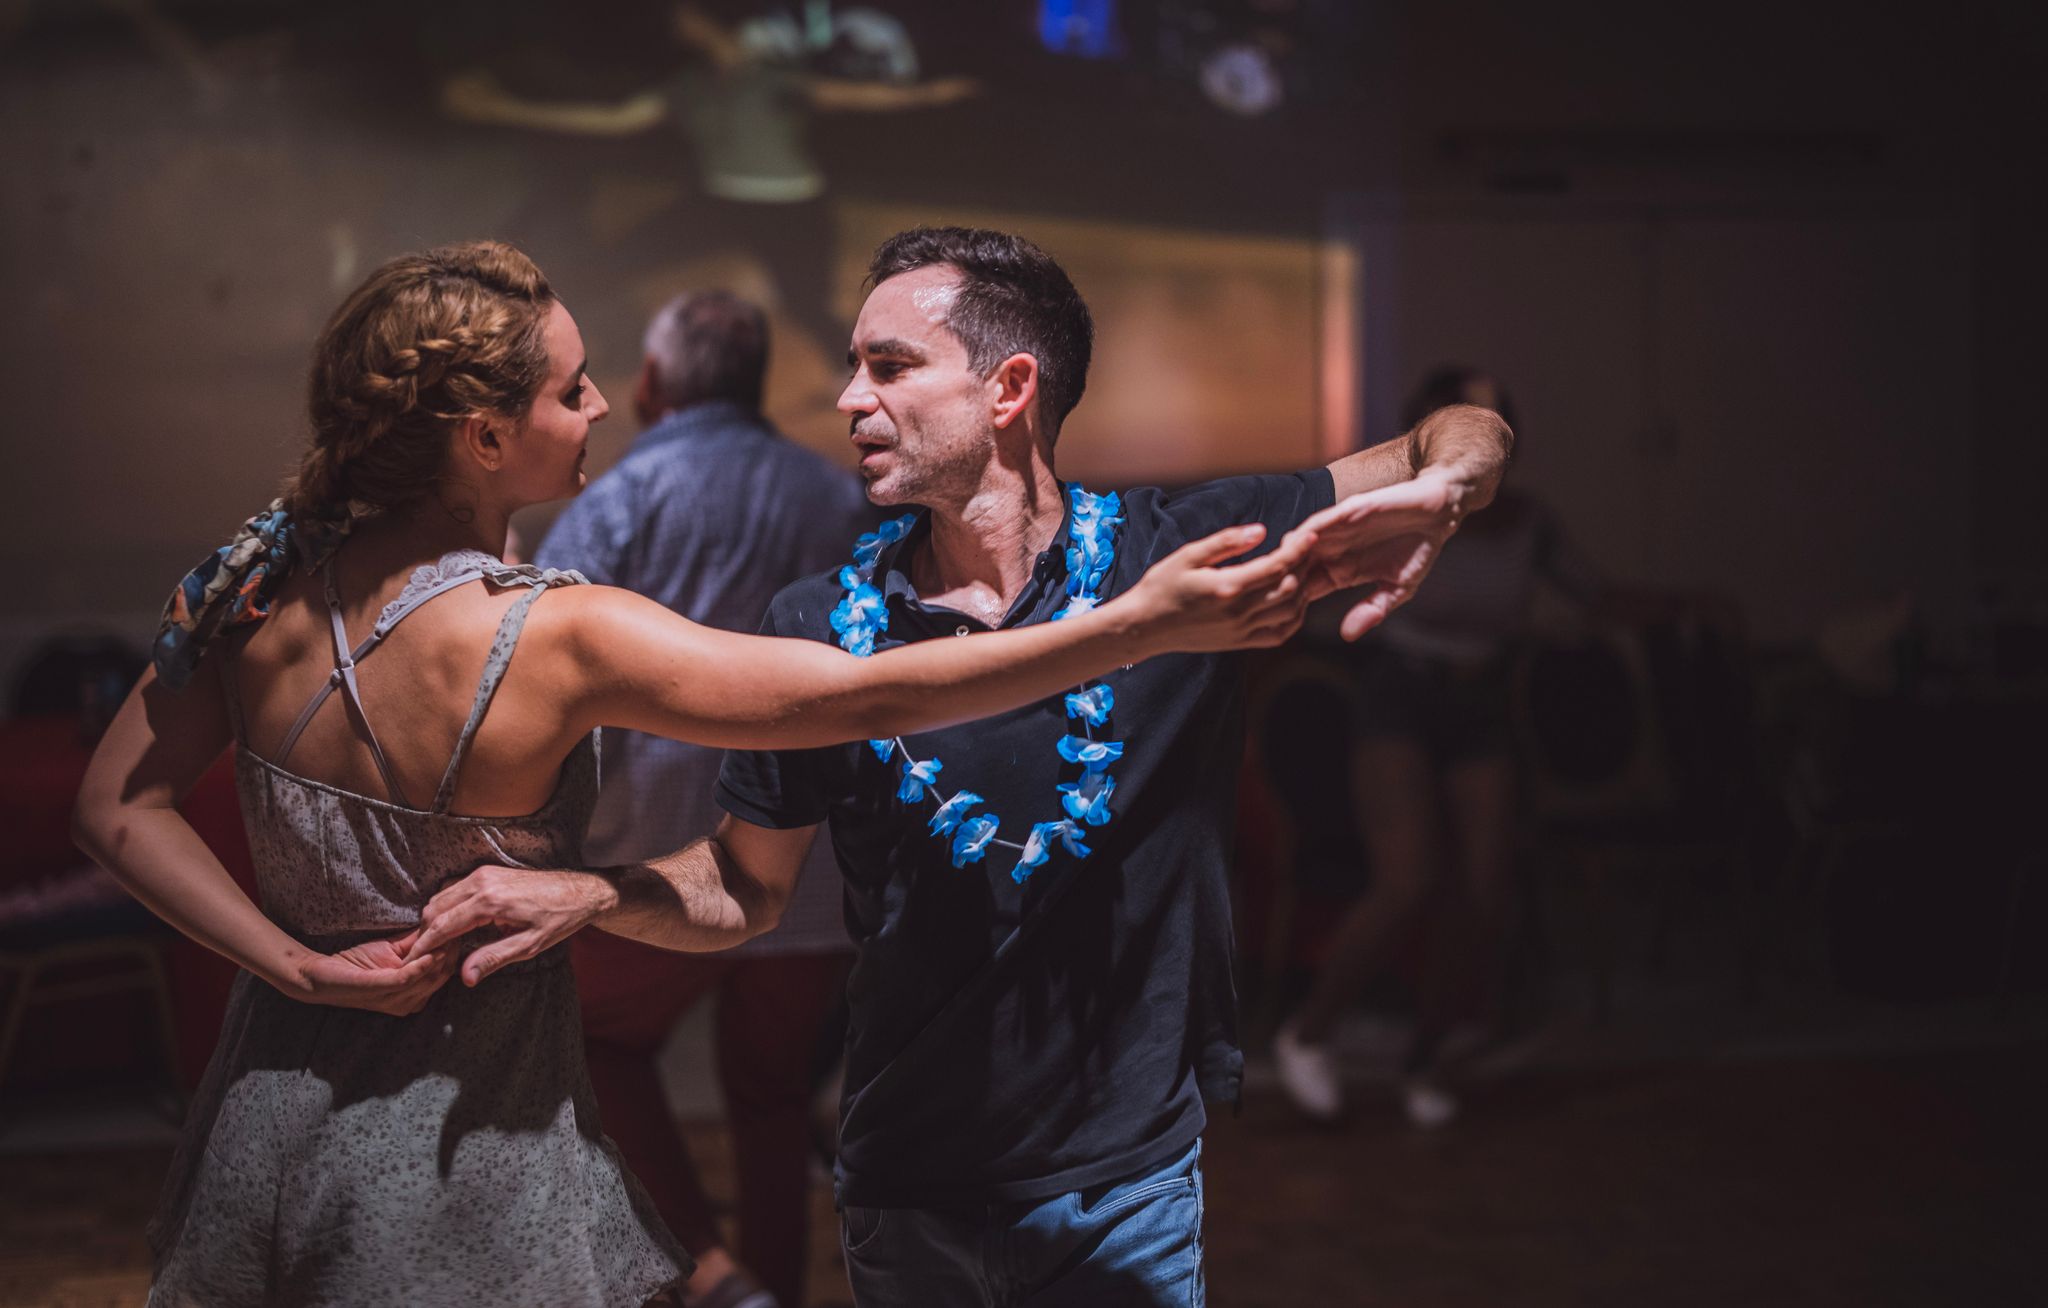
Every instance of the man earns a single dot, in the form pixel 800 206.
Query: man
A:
pixel 1030 1042
pixel 709 512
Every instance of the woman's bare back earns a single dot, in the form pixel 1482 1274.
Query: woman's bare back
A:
pixel 417 688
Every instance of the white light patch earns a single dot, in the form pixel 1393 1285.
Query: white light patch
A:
pixel 936 302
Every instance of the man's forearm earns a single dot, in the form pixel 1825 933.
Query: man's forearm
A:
pixel 697 899
pixel 1462 441
pixel 1465 442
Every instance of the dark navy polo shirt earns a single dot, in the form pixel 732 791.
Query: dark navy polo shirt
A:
pixel 1009 1041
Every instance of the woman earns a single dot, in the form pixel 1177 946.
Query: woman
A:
pixel 404 710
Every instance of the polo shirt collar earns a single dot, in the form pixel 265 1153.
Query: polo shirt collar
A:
pixel 697 420
pixel 1050 568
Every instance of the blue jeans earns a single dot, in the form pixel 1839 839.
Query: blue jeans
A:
pixel 1136 1242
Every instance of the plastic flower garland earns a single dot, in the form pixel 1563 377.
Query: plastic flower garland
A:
pixel 862 615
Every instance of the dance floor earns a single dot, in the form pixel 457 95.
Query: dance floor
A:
pixel 1867 1181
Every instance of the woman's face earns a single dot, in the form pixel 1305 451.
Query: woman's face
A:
pixel 545 450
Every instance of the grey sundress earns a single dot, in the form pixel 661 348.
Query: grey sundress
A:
pixel 341 1157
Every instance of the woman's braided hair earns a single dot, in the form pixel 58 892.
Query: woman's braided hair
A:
pixel 426 341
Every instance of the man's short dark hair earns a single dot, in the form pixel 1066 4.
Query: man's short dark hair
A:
pixel 1014 299
pixel 708 345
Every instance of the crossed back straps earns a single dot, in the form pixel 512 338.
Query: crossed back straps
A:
pixel 346 659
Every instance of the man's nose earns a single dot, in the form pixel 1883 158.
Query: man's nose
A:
pixel 858 397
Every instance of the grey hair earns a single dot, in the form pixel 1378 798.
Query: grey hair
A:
pixel 708 345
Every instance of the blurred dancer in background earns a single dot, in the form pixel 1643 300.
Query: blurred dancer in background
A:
pixel 1434 777
pixel 743 98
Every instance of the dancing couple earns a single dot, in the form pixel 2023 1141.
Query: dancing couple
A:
pixel 1032 824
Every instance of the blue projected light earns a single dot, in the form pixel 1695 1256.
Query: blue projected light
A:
pixel 1086 28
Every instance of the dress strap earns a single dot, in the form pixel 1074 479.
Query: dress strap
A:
pixel 345 668
pixel 291 738
pixel 346 659
pixel 502 646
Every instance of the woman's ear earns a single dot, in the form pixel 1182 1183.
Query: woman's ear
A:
pixel 479 437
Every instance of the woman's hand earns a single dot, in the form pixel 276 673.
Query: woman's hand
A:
pixel 375 975
pixel 1194 601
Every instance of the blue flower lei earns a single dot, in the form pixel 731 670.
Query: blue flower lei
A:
pixel 862 615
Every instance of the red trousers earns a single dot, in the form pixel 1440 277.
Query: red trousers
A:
pixel 770 1013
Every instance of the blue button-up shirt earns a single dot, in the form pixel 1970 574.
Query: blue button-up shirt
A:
pixel 710 512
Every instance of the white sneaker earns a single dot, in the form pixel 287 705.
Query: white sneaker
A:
pixel 1308 1073
pixel 1427 1103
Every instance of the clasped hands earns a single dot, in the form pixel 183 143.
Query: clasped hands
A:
pixel 532 911
pixel 1386 539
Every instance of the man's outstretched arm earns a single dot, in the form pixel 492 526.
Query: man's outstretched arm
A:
pixel 711 894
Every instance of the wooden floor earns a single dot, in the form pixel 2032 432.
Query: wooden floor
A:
pixel 1867 1182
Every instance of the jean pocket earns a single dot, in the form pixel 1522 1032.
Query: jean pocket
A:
pixel 1112 1203
pixel 859 1227
pixel 1182 1176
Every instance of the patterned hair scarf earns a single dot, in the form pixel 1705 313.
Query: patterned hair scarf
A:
pixel 235 585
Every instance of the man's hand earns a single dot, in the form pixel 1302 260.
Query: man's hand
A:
pixel 1387 538
pixel 536 910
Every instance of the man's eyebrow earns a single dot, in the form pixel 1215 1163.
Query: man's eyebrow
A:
pixel 889 346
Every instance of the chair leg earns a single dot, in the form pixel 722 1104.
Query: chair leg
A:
pixel 2009 947
pixel 1668 871
pixel 1279 949
pixel 166 1024
pixel 1600 933
pixel 1834 849
pixel 1522 969
pixel 17 1004
pixel 1747 876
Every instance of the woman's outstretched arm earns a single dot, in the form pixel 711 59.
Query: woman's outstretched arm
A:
pixel 659 673
pixel 127 821
pixel 620 660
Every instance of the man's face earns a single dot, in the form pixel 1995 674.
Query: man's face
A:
pixel 921 414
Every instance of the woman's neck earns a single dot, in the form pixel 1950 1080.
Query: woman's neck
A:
pixel 400 540
pixel 438 527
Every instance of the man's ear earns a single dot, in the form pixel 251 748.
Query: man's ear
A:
pixel 647 405
pixel 480 439
pixel 1013 386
